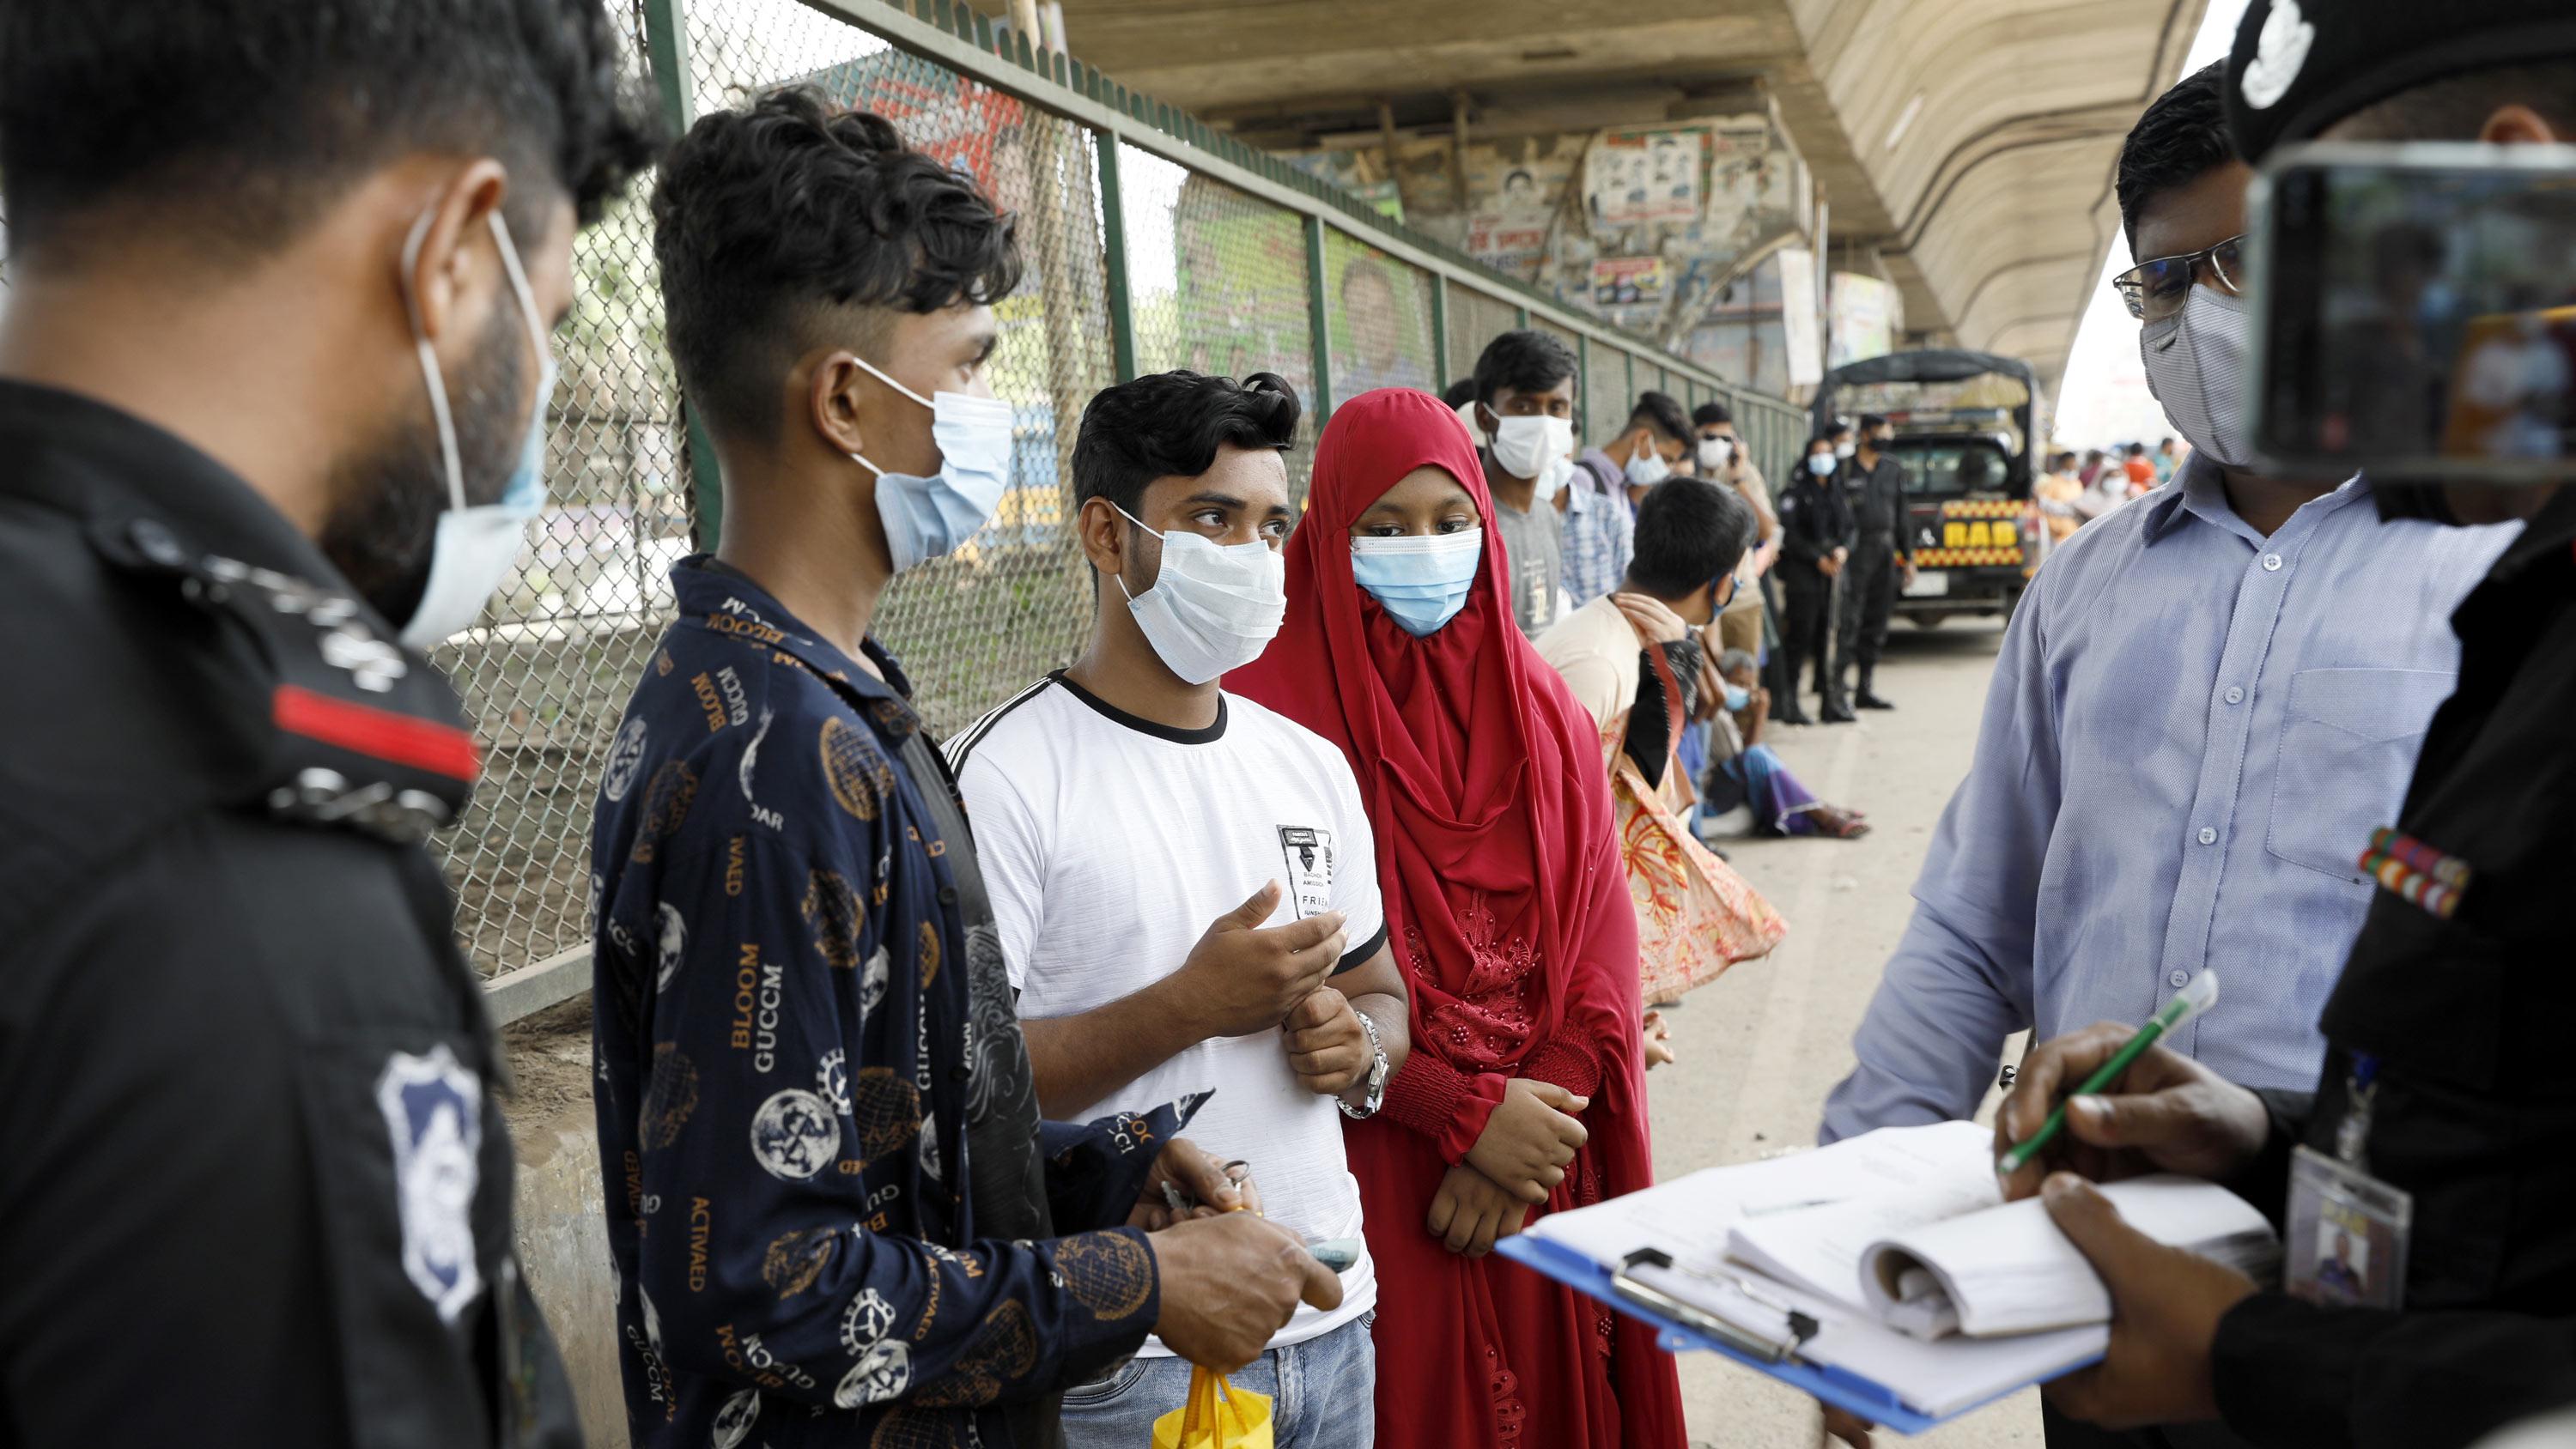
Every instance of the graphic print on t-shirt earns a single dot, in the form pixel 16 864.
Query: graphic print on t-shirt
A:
pixel 1308 852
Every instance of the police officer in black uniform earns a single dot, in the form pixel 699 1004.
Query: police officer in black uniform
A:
pixel 2446 1087
pixel 281 276
pixel 1816 538
pixel 1875 484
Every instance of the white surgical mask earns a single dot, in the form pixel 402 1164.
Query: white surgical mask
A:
pixel 2196 367
pixel 1214 607
pixel 1646 468
pixel 1716 452
pixel 476 544
pixel 1523 445
pixel 927 517
pixel 1821 464
pixel 1846 448
pixel 1553 474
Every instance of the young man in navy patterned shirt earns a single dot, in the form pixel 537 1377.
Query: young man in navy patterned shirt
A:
pixel 834 1212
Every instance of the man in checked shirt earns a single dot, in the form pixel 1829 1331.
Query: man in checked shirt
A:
pixel 834 1212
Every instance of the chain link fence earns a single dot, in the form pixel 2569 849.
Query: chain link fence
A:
pixel 1173 243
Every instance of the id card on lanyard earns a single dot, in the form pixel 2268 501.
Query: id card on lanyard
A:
pixel 2347 1229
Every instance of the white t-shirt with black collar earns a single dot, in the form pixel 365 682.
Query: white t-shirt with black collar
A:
pixel 1109 843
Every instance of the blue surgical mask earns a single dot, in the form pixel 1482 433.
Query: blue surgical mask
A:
pixel 1737 697
pixel 476 544
pixel 927 517
pixel 1821 464
pixel 1420 580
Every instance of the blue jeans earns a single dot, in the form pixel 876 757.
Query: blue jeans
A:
pixel 1323 1395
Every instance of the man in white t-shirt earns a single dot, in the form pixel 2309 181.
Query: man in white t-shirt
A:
pixel 1123 804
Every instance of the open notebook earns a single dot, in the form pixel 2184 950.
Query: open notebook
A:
pixel 1897 1257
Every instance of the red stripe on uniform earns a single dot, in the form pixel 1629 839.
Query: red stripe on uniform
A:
pixel 376 733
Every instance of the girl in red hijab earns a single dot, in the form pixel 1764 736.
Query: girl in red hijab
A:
pixel 1508 905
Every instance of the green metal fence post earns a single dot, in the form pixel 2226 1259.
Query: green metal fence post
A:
pixel 1439 328
pixel 1319 332
pixel 1113 253
pixel 1520 317
pixel 1582 385
pixel 666 46
pixel 1629 358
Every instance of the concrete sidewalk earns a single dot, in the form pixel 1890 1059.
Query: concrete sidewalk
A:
pixel 1761 1046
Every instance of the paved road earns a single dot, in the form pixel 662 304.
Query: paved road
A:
pixel 1761 1046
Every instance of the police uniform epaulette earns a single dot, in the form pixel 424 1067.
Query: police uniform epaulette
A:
pixel 358 733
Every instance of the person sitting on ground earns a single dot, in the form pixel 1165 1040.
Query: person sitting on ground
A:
pixel 1744 772
pixel 1632 661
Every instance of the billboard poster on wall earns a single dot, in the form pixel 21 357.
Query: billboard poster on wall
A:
pixel 1804 340
pixel 1861 318
pixel 1512 245
pixel 1625 281
pixel 1646 176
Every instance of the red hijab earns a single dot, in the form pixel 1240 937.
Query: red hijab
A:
pixel 1482 776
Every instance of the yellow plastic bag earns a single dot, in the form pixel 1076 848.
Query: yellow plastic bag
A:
pixel 1218 1416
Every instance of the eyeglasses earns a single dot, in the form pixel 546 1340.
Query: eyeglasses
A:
pixel 2157 289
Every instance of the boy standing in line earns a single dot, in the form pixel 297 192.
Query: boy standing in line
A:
pixel 1121 801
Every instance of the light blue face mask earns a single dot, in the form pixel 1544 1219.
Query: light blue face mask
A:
pixel 476 543
pixel 1737 697
pixel 927 517
pixel 1421 581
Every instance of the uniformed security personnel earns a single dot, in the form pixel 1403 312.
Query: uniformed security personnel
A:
pixel 2445 1099
pixel 1815 546
pixel 1874 482
pixel 282 274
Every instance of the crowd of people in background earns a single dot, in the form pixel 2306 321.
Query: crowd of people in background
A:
pixel 2075 489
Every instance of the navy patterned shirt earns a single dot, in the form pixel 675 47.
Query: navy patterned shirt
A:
pixel 787 1064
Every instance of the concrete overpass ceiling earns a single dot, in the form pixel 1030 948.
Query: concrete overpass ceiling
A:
pixel 1969 142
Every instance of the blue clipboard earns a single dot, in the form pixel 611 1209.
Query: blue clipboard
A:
pixel 1842 1389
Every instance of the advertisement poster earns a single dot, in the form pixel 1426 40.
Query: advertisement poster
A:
pixel 1520 180
pixel 1626 281
pixel 1646 176
pixel 1803 341
pixel 1861 318
pixel 1753 190
pixel 1512 245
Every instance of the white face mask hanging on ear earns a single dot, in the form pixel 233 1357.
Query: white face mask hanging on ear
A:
pixel 476 544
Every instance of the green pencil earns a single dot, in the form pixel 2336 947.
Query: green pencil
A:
pixel 2191 1001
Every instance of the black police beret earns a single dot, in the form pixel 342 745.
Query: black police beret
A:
pixel 2299 66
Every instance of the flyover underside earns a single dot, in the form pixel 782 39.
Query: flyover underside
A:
pixel 1960 149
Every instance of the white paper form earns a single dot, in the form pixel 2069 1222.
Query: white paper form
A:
pixel 2011 1271
pixel 1690 1217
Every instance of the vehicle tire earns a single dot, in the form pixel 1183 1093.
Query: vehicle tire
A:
pixel 1928 621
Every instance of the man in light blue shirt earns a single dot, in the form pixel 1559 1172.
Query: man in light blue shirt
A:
pixel 2205 703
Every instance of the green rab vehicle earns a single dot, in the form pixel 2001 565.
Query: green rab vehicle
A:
pixel 1963 425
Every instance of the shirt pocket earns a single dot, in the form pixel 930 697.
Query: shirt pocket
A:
pixel 2348 743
